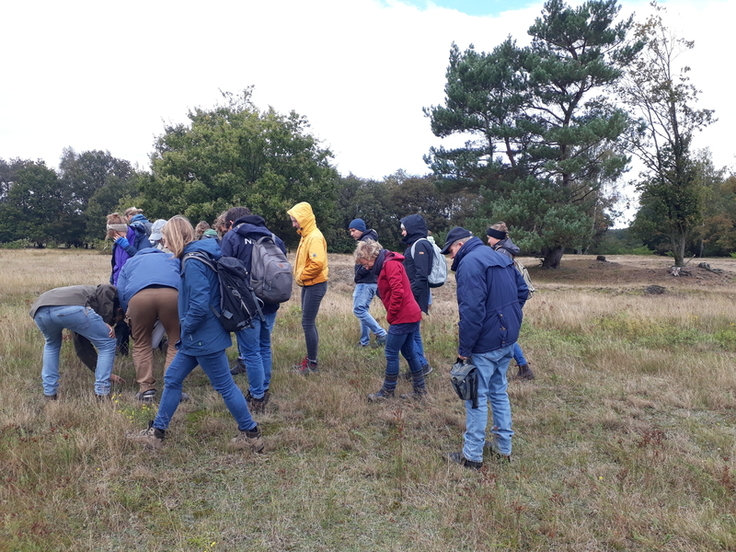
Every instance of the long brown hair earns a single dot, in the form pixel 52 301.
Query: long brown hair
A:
pixel 177 233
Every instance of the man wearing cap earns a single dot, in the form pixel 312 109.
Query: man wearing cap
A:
pixel 490 296
pixel 365 289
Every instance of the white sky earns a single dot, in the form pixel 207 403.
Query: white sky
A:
pixel 108 74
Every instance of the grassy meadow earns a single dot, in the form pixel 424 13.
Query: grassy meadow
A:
pixel 625 441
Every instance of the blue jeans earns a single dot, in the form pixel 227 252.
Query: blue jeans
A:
pixel 518 355
pixel 403 343
pixel 419 347
pixel 215 365
pixel 86 322
pixel 492 386
pixel 254 346
pixel 362 297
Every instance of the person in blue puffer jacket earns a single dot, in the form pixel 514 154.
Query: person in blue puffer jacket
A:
pixel 148 288
pixel 203 341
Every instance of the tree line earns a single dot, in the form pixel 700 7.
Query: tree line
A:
pixel 550 128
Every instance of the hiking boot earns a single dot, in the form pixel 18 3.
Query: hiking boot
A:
pixel 426 370
pixel 151 437
pixel 458 458
pixel 381 340
pixel 492 447
pixel 250 439
pixel 146 396
pixel 238 367
pixel 51 397
pixel 306 367
pixel 383 394
pixel 256 406
pixel 525 373
pixel 416 395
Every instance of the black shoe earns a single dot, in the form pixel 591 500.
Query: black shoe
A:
pixel 458 458
pixel 238 368
pixel 256 406
pixel 103 398
pixel 51 397
pixel 147 396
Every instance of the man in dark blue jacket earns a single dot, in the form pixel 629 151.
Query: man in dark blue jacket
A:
pixel 254 343
pixel 365 290
pixel 490 296
pixel 418 264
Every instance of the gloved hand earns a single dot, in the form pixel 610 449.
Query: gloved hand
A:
pixel 122 242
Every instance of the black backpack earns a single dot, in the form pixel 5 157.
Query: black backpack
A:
pixel 238 303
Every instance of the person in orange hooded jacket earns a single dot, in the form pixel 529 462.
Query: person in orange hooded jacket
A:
pixel 311 274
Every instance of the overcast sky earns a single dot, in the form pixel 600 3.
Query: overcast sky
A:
pixel 108 74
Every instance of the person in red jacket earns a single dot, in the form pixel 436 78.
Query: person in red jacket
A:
pixel 402 313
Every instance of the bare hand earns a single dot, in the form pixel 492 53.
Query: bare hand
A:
pixel 117 379
pixel 111 332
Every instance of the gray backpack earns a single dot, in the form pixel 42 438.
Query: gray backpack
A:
pixel 438 271
pixel 270 271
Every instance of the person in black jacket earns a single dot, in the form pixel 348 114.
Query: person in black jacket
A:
pixel 418 264
pixel 254 342
pixel 365 289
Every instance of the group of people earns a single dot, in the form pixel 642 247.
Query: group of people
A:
pixel 157 283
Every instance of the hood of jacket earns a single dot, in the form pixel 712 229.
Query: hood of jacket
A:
pixel 369 235
pixel 251 226
pixel 416 228
pixel 508 245
pixel 211 247
pixel 303 214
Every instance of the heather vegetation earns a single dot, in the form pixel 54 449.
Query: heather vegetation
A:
pixel 625 440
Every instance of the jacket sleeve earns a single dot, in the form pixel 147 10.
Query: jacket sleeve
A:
pixel 523 289
pixel 471 300
pixel 397 291
pixel 197 284
pixel 122 286
pixel 316 257
pixel 422 266
pixel 227 246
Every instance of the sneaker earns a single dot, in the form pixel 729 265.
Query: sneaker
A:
pixel 492 447
pixel 256 406
pixel 151 437
pixel 249 439
pixel 147 396
pixel 383 394
pixel 426 368
pixel 458 458
pixel 306 367
pixel 238 367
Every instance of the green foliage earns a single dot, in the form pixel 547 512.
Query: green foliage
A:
pixel 234 154
pixel 545 137
pixel 662 98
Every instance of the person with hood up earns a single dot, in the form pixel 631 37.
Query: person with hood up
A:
pixel 203 341
pixel 254 343
pixel 311 273
pixel 418 265
pixel 499 240
pixel 490 297
pixel 403 315
pixel 365 289
pixel 141 229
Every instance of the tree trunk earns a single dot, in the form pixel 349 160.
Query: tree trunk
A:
pixel 552 256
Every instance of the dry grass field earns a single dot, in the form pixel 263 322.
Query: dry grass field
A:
pixel 625 441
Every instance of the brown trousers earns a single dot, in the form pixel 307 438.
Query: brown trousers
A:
pixel 144 308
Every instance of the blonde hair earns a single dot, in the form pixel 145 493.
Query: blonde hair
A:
pixel 177 233
pixel 368 250
pixel 500 226
pixel 114 218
